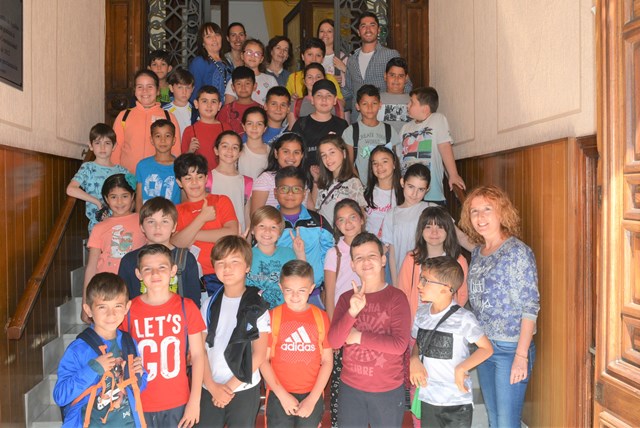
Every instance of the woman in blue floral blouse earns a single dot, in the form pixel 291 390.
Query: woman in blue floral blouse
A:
pixel 503 293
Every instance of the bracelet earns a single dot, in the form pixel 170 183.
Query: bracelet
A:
pixel 524 357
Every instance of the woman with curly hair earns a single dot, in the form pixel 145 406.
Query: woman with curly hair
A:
pixel 503 292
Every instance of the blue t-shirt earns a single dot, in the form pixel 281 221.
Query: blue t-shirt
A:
pixel 91 177
pixel 157 180
pixel 265 273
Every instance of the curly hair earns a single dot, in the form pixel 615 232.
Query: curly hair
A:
pixel 506 212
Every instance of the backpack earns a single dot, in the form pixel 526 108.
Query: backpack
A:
pixel 126 114
pixel 176 286
pixel 129 351
pixel 248 186
pixel 356 136
pixel 276 320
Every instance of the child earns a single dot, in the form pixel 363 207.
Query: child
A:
pixel 88 181
pixel 303 106
pixel 115 236
pixel 231 390
pixel 367 132
pixel 155 174
pixel 288 150
pixel 374 321
pixel 440 360
pixel 394 102
pixel 166 326
pixel 299 359
pixel 426 130
pixel 160 63
pixel 435 236
pixel 225 178
pixel 310 226
pixel 339 275
pixel 181 85
pixel 158 220
pixel 399 224
pixel 83 368
pixel 199 137
pixel 132 125
pixel 337 180
pixel 244 83
pixel 267 225
pixel 383 191
pixel 253 159
pixel 320 123
pixel 276 106
pixel 203 219
pixel 253 55
pixel 312 50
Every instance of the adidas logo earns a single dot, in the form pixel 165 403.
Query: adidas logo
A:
pixel 298 341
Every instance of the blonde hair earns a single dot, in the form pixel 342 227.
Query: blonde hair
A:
pixel 267 212
pixel 506 212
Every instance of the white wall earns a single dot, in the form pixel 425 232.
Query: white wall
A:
pixel 511 73
pixel 63 96
pixel 250 13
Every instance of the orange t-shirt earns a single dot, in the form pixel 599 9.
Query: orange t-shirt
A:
pixel 297 357
pixel 188 211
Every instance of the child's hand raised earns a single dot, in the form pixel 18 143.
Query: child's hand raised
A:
pixel 297 244
pixel 194 145
pixel 417 373
pixel 207 212
pixel 358 300
pixel 106 361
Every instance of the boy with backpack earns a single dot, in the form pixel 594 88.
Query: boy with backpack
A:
pixel 367 132
pixel 236 340
pixel 158 221
pixel 100 375
pixel 166 326
pixel 299 358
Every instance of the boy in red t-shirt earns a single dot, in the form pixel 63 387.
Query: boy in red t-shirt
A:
pixel 203 219
pixel 163 323
pixel 299 358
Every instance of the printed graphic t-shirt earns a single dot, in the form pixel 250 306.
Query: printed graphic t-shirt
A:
pixel 115 237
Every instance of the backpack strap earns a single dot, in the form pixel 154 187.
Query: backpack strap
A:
pixel 276 320
pixel 387 133
pixel 181 262
pixel 209 184
pixel 356 138
pixel 303 122
pixel 338 260
pixel 167 115
pixel 317 316
pixel 124 118
pixel 248 188
pixel 297 106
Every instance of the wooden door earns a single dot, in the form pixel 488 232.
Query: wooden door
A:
pixel 124 52
pixel 617 377
pixel 409 27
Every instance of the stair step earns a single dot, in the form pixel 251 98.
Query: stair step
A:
pixel 39 398
pixel 77 281
pixel 50 418
pixel 68 315
pixel 52 352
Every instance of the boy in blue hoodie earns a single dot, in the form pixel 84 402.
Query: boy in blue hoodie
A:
pixel 91 382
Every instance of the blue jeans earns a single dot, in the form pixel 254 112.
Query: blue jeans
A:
pixel 503 400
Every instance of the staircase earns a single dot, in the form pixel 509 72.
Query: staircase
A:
pixel 40 410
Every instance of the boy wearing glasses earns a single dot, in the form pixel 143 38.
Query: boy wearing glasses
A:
pixel 309 226
pixel 440 359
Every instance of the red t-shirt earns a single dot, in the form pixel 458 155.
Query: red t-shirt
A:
pixel 206 133
pixel 232 114
pixel 159 331
pixel 188 211
pixel 297 357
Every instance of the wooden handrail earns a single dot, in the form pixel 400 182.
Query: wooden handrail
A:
pixel 18 321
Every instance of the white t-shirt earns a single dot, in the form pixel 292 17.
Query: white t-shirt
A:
pixel 266 182
pixel 363 62
pixel 385 200
pixel 369 137
pixel 233 187
pixel 226 324
pixel 399 229
pixel 252 164
pixel 447 348
pixel 183 116
pixel 264 82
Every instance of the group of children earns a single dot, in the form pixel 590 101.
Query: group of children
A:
pixel 309 255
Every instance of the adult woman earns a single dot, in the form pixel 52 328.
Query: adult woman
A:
pixel 209 68
pixel 236 35
pixel 277 56
pixel 503 292
pixel 332 63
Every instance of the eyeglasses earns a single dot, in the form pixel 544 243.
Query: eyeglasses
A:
pixel 425 281
pixel 253 53
pixel 296 190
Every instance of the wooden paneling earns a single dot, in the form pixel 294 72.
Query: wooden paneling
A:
pixel 409 31
pixel 553 187
pixel 31 196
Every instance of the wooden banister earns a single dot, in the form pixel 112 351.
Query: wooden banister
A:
pixel 18 321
